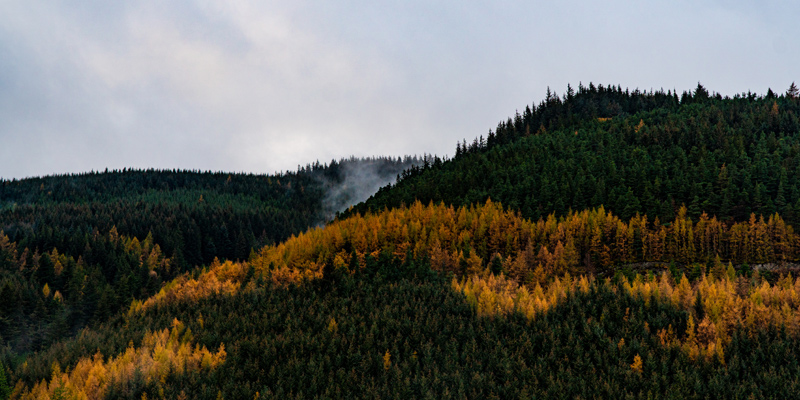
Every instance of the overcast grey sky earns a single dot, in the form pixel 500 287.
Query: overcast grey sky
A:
pixel 262 86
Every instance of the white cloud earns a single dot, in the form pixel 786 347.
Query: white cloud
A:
pixel 265 86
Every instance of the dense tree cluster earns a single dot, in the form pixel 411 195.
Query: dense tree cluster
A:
pixel 365 337
pixel 467 240
pixel 77 249
pixel 194 216
pixel 47 296
pixel 165 352
pixel 718 306
pixel 485 240
pixel 728 157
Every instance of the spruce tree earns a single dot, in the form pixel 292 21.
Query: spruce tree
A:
pixel 5 390
pixel 793 92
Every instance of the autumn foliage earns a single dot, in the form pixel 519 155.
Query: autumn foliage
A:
pixel 717 306
pixel 503 265
pixel 220 278
pixel 510 264
pixel 467 239
pixel 487 239
pixel 169 351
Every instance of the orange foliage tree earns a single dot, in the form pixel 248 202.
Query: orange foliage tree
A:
pixel 164 352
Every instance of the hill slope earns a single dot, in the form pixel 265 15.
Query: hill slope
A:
pixel 77 249
pixel 392 327
pixel 457 295
pixel 727 157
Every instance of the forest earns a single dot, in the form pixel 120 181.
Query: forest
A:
pixel 630 152
pixel 76 249
pixel 605 243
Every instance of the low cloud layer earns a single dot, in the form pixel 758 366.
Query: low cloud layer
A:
pixel 266 86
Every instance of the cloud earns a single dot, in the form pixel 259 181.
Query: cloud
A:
pixel 265 86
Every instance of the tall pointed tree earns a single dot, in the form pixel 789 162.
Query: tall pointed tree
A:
pixel 793 92
pixel 5 390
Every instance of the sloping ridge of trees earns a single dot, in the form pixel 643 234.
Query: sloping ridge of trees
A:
pixel 284 302
pixel 194 216
pixel 645 152
pixel 77 249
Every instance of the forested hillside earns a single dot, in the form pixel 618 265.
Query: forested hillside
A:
pixel 194 216
pixel 631 152
pixel 606 243
pixel 77 249
pixel 301 320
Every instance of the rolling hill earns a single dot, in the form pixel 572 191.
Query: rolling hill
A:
pixel 602 244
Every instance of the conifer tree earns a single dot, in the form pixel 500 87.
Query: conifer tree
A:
pixel 5 390
pixel 793 92
pixel 700 93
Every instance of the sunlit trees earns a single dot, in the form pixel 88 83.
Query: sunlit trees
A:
pixel 476 240
pixel 169 351
pixel 716 308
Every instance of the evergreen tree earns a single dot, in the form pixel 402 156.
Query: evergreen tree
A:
pixel 700 93
pixel 793 92
pixel 5 390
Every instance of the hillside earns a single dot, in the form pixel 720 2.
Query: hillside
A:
pixel 291 323
pixel 632 153
pixel 77 249
pixel 603 244
pixel 194 215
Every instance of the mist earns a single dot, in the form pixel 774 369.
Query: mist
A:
pixel 352 181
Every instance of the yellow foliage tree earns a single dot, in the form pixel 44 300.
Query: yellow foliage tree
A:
pixel 161 353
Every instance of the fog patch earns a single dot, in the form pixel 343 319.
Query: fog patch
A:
pixel 352 181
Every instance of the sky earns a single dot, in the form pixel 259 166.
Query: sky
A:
pixel 265 86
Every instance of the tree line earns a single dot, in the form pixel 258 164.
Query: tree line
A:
pixel 728 157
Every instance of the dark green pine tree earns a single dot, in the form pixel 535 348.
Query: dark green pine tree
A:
pixel 694 209
pixel 793 92
pixel 629 204
pixel 700 93
pixel 5 390
pixel 780 197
